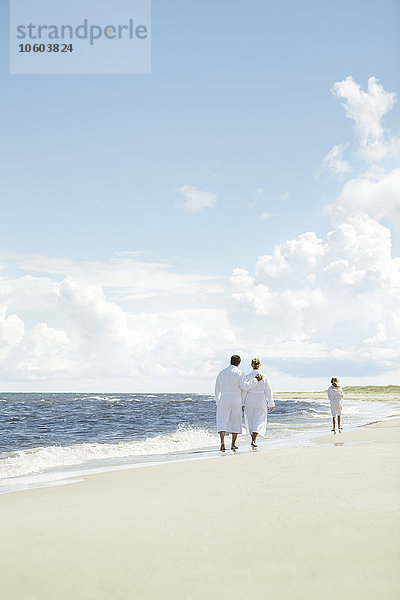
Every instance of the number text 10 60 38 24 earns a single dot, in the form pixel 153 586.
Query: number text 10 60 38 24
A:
pixel 45 48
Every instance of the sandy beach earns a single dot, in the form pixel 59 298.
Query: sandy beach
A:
pixel 309 522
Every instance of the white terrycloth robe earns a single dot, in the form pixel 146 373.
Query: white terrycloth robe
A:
pixel 256 403
pixel 228 396
pixel 335 395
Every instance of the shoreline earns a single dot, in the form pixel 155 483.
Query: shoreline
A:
pixel 70 474
pixel 296 522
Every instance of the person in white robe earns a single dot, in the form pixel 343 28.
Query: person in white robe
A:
pixel 256 403
pixel 335 395
pixel 230 384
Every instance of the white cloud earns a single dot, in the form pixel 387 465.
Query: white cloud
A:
pixel 320 302
pixel 196 199
pixel 11 331
pixel 292 258
pixel 45 353
pixel 267 215
pixel 122 276
pixel 313 300
pixel 377 196
pixel 285 196
pixel 97 340
pixel 334 163
pixel 367 110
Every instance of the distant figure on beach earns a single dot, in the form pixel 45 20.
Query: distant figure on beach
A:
pixel 230 384
pixel 335 395
pixel 256 403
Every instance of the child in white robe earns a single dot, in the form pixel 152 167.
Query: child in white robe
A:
pixel 335 395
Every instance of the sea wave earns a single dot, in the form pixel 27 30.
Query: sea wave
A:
pixel 314 414
pixel 42 459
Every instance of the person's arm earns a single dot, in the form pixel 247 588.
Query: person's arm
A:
pixel 269 394
pixel 217 391
pixel 244 394
pixel 247 384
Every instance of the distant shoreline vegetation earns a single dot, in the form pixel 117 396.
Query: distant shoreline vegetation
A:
pixel 373 389
pixel 379 393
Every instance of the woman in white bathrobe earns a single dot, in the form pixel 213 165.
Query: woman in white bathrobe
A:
pixel 256 403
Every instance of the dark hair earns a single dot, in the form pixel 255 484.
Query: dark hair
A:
pixel 335 382
pixel 235 360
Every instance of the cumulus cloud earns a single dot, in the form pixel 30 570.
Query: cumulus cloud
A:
pixel 377 195
pixel 11 331
pixel 334 162
pixel 44 353
pixel 321 302
pixel 89 337
pixel 334 299
pixel 196 199
pixel 367 110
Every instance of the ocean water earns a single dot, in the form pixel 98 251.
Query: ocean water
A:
pixel 48 438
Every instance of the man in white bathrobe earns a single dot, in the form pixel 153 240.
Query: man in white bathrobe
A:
pixel 228 396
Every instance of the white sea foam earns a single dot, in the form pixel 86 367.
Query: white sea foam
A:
pixel 314 414
pixel 351 410
pixel 38 460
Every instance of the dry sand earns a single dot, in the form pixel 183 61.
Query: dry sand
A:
pixel 317 522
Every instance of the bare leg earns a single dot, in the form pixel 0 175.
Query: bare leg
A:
pixel 222 436
pixel 338 424
pixel 254 439
pixel 334 425
pixel 233 445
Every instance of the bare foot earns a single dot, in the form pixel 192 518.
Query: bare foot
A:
pixel 234 447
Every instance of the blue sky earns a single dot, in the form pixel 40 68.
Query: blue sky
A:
pixel 238 106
